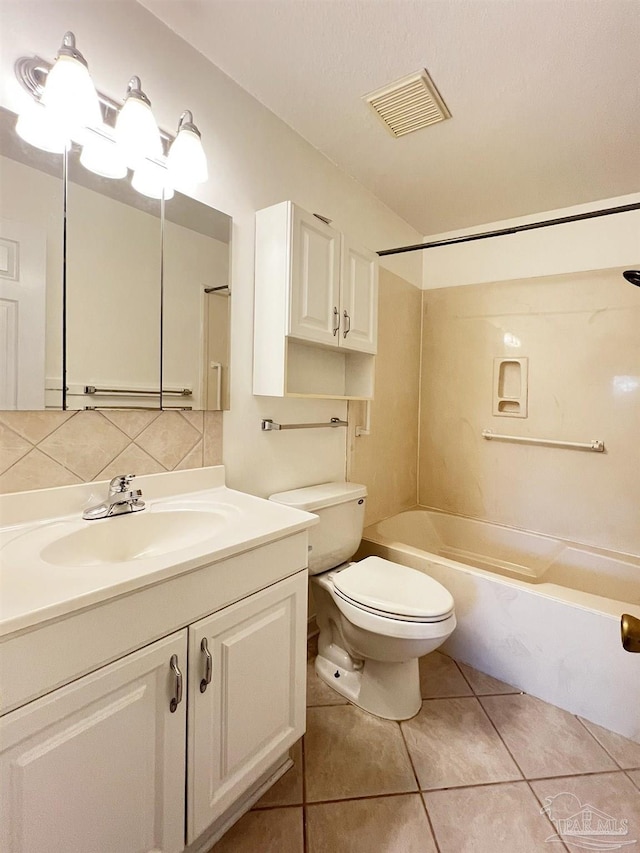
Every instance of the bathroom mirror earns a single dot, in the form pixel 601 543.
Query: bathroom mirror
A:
pixel 147 298
pixel 31 259
pixel 113 258
pixel 196 303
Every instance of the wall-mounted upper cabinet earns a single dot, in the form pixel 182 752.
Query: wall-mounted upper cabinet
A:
pixel 316 308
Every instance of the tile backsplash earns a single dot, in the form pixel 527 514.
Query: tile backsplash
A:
pixel 44 449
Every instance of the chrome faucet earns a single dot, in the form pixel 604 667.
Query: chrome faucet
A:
pixel 122 499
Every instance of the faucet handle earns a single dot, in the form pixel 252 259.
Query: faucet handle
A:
pixel 120 483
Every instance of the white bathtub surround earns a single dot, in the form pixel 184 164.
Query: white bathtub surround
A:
pixel 539 613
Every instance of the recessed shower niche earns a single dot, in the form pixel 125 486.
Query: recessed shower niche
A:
pixel 510 387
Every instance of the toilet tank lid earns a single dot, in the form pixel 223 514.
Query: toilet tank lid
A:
pixel 324 494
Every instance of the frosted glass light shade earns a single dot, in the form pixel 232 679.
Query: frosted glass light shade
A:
pixel 103 157
pixel 187 162
pixel 70 95
pixel 137 132
pixel 37 127
pixel 151 179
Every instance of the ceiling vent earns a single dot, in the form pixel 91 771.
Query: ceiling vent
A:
pixel 408 104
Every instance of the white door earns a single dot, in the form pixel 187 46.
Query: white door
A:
pixel 315 279
pixel 22 315
pixel 98 766
pixel 359 308
pixel 253 708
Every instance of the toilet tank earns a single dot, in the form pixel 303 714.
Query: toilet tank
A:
pixel 340 507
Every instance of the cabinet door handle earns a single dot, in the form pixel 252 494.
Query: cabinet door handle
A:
pixel 336 320
pixel 208 665
pixel 177 699
pixel 347 319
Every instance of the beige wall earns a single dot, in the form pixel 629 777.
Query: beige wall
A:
pixel 44 449
pixel 386 460
pixel 580 334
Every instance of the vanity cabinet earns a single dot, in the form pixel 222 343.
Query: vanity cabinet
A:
pixel 101 764
pixel 253 708
pixel 316 308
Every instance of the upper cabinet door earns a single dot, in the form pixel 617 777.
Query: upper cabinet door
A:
pixel 315 279
pixel 98 766
pixel 359 309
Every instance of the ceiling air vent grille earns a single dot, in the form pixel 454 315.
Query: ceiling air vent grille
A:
pixel 408 104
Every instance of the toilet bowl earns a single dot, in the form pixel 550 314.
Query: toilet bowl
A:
pixel 376 617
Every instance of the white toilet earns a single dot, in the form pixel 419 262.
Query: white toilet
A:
pixel 376 618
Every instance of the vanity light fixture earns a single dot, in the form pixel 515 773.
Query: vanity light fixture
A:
pixel 136 129
pixel 187 162
pixel 150 179
pixel 69 93
pixel 36 126
pixel 65 108
pixel 102 156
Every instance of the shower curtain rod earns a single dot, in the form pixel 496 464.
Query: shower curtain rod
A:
pixel 530 226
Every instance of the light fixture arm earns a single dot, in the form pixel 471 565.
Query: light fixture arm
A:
pixel 134 90
pixel 68 48
pixel 186 123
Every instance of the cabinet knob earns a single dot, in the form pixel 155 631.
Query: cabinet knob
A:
pixel 336 320
pixel 208 665
pixel 347 320
pixel 177 698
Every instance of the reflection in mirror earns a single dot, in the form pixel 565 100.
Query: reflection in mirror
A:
pixel 31 219
pixel 196 302
pixel 113 293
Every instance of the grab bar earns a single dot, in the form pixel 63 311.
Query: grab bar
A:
pixel 596 445
pixel 268 424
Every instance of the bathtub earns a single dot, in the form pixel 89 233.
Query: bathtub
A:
pixel 540 613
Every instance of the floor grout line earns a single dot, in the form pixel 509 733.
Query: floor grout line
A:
pixel 546 815
pixel 424 805
pixel 601 745
pixel 459 668
pixel 486 713
pixel 628 773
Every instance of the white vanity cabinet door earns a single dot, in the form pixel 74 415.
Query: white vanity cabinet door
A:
pixel 253 709
pixel 315 279
pixel 359 306
pixel 98 766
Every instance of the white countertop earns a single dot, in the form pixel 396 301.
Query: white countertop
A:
pixel 33 590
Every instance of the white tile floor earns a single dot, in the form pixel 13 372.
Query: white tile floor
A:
pixel 471 773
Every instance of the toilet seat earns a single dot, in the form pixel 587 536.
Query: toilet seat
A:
pixel 393 591
pixel 374 581
pixel 420 620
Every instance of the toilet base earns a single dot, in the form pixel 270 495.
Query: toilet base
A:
pixel 387 690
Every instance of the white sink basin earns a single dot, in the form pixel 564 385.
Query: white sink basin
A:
pixel 133 537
